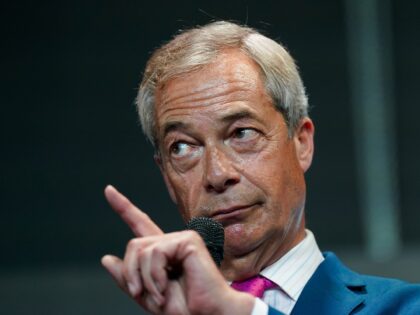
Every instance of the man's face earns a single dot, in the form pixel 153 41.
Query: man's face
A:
pixel 225 154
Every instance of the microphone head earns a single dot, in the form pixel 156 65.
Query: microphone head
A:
pixel 213 235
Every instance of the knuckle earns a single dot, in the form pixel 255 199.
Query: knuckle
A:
pixel 142 253
pixel 195 238
pixel 133 244
pixel 154 251
pixel 193 235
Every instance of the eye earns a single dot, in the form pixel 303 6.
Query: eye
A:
pixel 244 133
pixel 180 149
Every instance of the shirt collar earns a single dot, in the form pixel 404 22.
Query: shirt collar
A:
pixel 293 270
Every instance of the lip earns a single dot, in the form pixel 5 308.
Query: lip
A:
pixel 231 213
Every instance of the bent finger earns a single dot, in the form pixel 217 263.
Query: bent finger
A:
pixel 131 268
pixel 114 266
pixel 153 272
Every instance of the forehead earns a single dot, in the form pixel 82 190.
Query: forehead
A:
pixel 231 80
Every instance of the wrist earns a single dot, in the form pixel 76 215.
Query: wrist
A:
pixel 237 303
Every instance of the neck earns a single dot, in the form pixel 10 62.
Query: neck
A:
pixel 251 264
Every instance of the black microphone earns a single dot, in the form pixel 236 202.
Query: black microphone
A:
pixel 213 235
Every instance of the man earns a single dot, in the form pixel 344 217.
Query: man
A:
pixel 226 111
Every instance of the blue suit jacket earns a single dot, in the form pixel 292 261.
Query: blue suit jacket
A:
pixel 334 289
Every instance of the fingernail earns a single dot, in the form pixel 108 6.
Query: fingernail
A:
pixel 131 288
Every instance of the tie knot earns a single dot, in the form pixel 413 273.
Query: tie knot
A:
pixel 255 285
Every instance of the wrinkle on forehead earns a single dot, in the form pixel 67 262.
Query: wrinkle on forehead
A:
pixel 180 101
pixel 203 94
pixel 231 67
pixel 233 78
pixel 208 104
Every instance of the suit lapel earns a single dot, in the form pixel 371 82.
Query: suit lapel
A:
pixel 333 289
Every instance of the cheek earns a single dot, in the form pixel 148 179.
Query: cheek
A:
pixel 265 171
pixel 280 178
pixel 186 188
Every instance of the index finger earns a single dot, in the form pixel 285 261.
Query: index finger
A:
pixel 138 221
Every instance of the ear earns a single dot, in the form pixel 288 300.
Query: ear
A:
pixel 159 162
pixel 304 143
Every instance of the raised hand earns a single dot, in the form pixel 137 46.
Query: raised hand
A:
pixel 150 259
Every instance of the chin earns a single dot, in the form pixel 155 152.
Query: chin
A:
pixel 239 241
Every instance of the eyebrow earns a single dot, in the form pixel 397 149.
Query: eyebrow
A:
pixel 172 126
pixel 243 114
pixel 229 118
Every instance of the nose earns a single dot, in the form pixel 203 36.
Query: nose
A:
pixel 220 172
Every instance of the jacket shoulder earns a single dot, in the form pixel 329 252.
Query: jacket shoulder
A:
pixel 390 296
pixel 335 289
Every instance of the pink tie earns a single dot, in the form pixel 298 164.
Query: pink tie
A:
pixel 255 285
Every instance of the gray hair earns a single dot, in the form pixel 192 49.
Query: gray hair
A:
pixel 193 49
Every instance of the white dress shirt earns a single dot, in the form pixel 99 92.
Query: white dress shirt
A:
pixel 291 273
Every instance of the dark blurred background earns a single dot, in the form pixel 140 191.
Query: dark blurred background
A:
pixel 69 73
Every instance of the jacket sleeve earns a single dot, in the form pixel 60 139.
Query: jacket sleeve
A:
pixel 273 311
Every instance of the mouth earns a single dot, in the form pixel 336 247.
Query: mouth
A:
pixel 234 213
